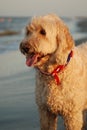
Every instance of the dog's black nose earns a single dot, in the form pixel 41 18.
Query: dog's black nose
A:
pixel 24 48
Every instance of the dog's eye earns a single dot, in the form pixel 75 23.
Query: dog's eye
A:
pixel 42 32
pixel 28 32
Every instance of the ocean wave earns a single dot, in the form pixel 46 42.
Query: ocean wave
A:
pixel 9 33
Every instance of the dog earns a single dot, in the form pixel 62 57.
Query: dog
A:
pixel 61 72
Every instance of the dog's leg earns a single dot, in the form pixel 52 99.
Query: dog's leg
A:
pixel 74 121
pixel 48 121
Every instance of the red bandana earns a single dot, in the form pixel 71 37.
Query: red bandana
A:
pixel 61 68
pixel 58 69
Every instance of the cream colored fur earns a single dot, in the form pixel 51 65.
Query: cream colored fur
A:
pixel 69 98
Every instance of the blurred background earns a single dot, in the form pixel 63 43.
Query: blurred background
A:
pixel 39 7
pixel 18 110
pixel 15 14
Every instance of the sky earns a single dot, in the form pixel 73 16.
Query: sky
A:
pixel 42 7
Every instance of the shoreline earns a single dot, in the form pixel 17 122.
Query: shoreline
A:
pixel 8 33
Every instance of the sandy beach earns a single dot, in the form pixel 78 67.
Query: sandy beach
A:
pixel 18 110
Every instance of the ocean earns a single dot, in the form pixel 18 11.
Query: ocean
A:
pixel 12 31
pixel 18 110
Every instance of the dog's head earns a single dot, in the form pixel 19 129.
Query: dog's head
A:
pixel 46 37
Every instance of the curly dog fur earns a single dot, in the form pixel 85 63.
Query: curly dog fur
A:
pixel 47 44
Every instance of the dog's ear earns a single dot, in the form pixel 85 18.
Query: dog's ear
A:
pixel 64 38
pixel 65 42
pixel 69 39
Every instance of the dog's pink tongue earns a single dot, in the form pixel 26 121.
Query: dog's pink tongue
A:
pixel 30 61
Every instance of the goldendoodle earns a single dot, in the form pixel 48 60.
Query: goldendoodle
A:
pixel 61 72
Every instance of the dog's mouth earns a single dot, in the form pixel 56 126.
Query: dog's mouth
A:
pixel 32 59
pixel 35 59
